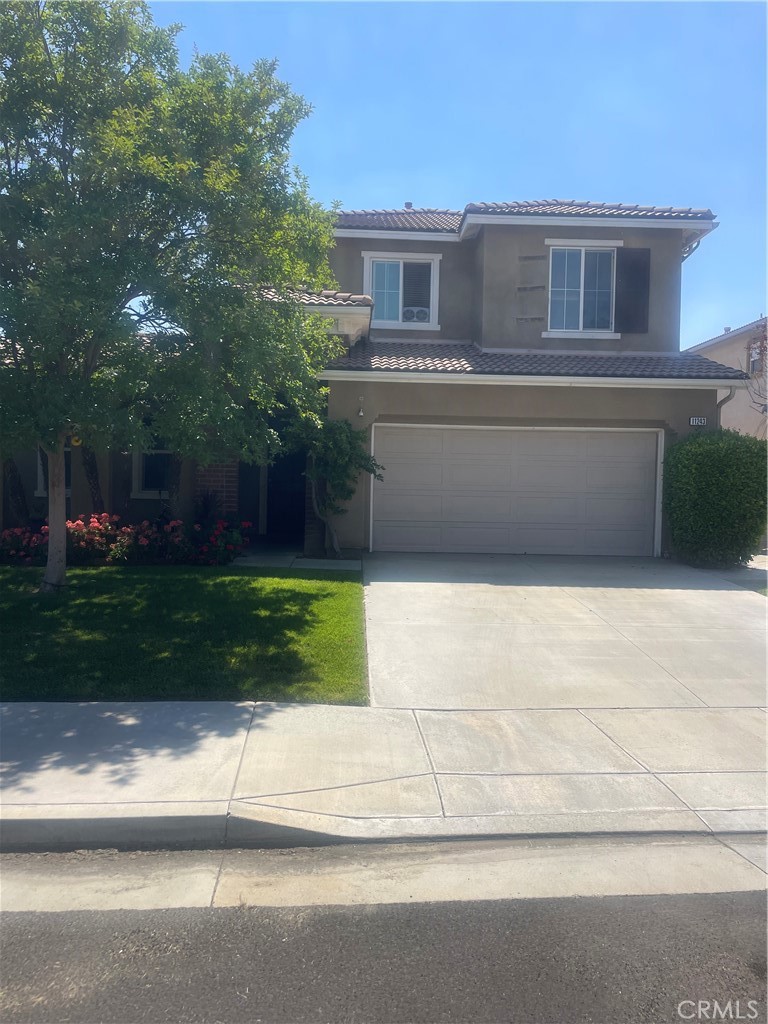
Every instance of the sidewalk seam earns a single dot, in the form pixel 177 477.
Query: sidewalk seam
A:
pixel 702 703
pixel 431 762
pixel 237 773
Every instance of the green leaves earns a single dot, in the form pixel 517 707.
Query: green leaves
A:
pixel 715 496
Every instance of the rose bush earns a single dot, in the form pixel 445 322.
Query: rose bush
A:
pixel 100 539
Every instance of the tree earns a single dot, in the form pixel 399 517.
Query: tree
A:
pixel 144 210
pixel 336 456
pixel 757 387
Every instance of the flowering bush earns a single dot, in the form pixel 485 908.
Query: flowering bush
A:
pixel 99 538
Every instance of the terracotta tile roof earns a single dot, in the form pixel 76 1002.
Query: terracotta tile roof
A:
pixel 427 219
pixel 401 220
pixel 576 208
pixel 429 357
pixel 325 298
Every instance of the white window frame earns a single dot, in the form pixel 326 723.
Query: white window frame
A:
pixel 583 246
pixel 138 471
pixel 41 491
pixel 433 258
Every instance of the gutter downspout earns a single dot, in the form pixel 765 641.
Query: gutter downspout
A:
pixel 723 401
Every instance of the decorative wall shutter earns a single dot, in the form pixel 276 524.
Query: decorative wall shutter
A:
pixel 633 280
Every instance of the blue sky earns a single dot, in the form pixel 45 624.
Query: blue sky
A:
pixel 441 104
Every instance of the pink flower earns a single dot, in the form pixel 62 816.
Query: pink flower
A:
pixel 143 541
pixel 198 526
pixel 43 529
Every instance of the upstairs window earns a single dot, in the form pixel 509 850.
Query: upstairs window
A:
pixel 404 289
pixel 581 289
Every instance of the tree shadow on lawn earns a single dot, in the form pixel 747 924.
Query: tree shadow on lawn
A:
pixel 167 634
pixel 151 638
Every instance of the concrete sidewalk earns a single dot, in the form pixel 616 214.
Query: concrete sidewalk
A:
pixel 238 774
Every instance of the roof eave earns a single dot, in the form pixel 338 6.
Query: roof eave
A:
pixel 694 228
pixel 414 376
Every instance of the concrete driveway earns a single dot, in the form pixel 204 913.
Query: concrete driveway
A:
pixel 540 632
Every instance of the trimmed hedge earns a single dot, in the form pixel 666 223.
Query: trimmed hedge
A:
pixel 715 497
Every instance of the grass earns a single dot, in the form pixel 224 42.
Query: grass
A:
pixel 183 633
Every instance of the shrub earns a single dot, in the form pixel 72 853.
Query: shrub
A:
pixel 98 539
pixel 715 497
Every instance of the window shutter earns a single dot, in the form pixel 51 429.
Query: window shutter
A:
pixel 633 280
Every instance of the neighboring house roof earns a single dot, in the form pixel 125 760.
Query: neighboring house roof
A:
pixel 428 219
pixel 727 335
pixel 429 357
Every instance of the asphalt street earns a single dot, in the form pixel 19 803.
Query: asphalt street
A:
pixel 648 959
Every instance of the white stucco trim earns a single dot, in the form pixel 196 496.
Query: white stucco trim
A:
pixel 626 223
pixel 659 432
pixel 586 335
pixel 598 243
pixel 416 377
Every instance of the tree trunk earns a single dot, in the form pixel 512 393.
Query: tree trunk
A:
pixel 324 519
pixel 91 467
pixel 56 569
pixel 91 474
pixel 17 497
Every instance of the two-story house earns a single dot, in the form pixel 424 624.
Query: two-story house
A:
pixel 521 375
pixel 516 367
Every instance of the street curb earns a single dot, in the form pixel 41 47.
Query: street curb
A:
pixel 21 833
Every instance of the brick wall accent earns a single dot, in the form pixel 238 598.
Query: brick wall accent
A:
pixel 222 478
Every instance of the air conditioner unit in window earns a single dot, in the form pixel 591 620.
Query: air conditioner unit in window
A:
pixel 418 313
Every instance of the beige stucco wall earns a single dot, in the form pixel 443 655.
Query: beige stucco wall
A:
pixel 494 287
pixel 456 305
pixel 515 289
pixel 739 413
pixel 504 405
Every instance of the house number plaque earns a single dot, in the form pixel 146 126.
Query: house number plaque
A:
pixel 697 421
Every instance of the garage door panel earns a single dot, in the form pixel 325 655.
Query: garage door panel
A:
pixel 618 476
pixel 408 441
pixel 479 442
pixel 550 476
pixel 621 446
pixel 617 542
pixel 477 508
pixel 548 508
pixel 412 473
pixel 548 444
pixel 605 510
pixel 517 491
pixel 410 507
pixel 484 474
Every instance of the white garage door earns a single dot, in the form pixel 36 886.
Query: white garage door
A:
pixel 575 492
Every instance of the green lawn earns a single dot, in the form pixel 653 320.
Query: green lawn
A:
pixel 179 633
